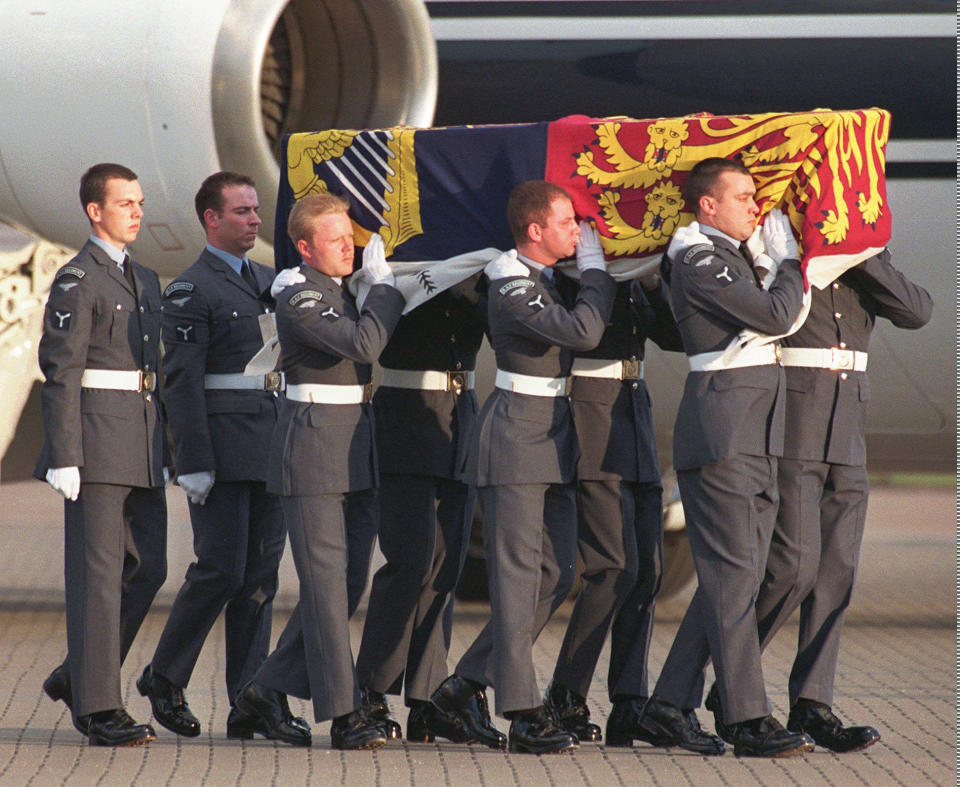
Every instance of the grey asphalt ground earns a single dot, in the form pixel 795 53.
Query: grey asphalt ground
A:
pixel 897 672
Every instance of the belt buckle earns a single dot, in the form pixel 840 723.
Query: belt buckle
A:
pixel 273 382
pixel 367 392
pixel 778 353
pixel 148 381
pixel 840 359
pixel 456 382
pixel 630 370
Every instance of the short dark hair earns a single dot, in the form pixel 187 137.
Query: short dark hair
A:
pixel 704 176
pixel 210 195
pixel 93 182
pixel 308 209
pixel 529 203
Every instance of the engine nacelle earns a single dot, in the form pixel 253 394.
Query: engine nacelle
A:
pixel 180 89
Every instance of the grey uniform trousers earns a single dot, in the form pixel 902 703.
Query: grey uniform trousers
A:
pixel 731 508
pixel 115 560
pixel 238 538
pixel 331 537
pixel 423 534
pixel 813 564
pixel 620 541
pixel 530 536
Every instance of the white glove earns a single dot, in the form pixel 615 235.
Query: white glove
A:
pixel 589 249
pixel 685 238
pixel 65 480
pixel 374 265
pixel 284 279
pixel 506 265
pixel 197 485
pixel 778 237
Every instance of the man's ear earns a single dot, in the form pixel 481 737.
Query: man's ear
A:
pixel 211 218
pixel 94 212
pixel 534 232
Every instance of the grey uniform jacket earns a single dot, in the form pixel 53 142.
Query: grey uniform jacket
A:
pixel 428 432
pixel 328 448
pixel 613 417
pixel 521 438
pixel 94 319
pixel 826 408
pixel 715 295
pixel 210 327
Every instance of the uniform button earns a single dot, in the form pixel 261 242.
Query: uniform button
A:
pixel 453 340
pixel 234 315
pixel 141 310
pixel 837 315
pixel 459 366
pixel 843 345
pixel 446 313
pixel 634 330
pixel 633 357
pixel 836 286
pixel 148 398
pixel 146 337
pixel 843 375
pixel 635 386
pixel 119 307
pixel 629 300
pixel 146 367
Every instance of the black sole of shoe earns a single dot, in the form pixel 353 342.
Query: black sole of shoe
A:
pixel 795 751
pixel 374 744
pixel 97 741
pixel 517 748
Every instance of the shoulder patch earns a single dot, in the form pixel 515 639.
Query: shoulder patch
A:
pixel 306 295
pixel 512 285
pixel 71 270
pixel 179 286
pixel 695 250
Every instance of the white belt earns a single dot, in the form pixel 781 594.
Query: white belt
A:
pixel 318 393
pixel 428 380
pixel 117 380
pixel 611 370
pixel 272 381
pixel 825 358
pixel 528 384
pixel 764 355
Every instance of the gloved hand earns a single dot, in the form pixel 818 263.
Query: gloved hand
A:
pixel 589 249
pixel 765 266
pixel 65 480
pixel 506 265
pixel 284 279
pixel 778 237
pixel 197 485
pixel 374 265
pixel 685 238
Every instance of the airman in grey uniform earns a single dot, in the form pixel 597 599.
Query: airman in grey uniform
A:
pixel 524 462
pixel 823 484
pixel 221 423
pixel 323 462
pixel 727 437
pixel 105 450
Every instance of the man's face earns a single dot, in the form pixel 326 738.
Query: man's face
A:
pixel 731 208
pixel 559 234
pixel 117 219
pixel 329 248
pixel 235 228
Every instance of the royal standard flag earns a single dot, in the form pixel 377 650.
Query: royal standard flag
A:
pixel 432 194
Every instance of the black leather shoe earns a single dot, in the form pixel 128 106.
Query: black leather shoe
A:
pixel 57 687
pixel 374 704
pixel 712 704
pixel 674 727
pixel 270 709
pixel 169 705
pixel 357 730
pixel 818 721
pixel 537 733
pixel 242 726
pixel 624 727
pixel 425 722
pixel 570 712
pixel 116 728
pixel 461 701
pixel 766 737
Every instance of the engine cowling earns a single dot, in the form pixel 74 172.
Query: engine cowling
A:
pixel 180 89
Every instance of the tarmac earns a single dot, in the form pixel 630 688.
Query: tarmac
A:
pixel 897 672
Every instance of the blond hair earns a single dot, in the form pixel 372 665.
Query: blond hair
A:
pixel 306 211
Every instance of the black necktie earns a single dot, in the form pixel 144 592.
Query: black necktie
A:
pixel 745 251
pixel 126 268
pixel 248 275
